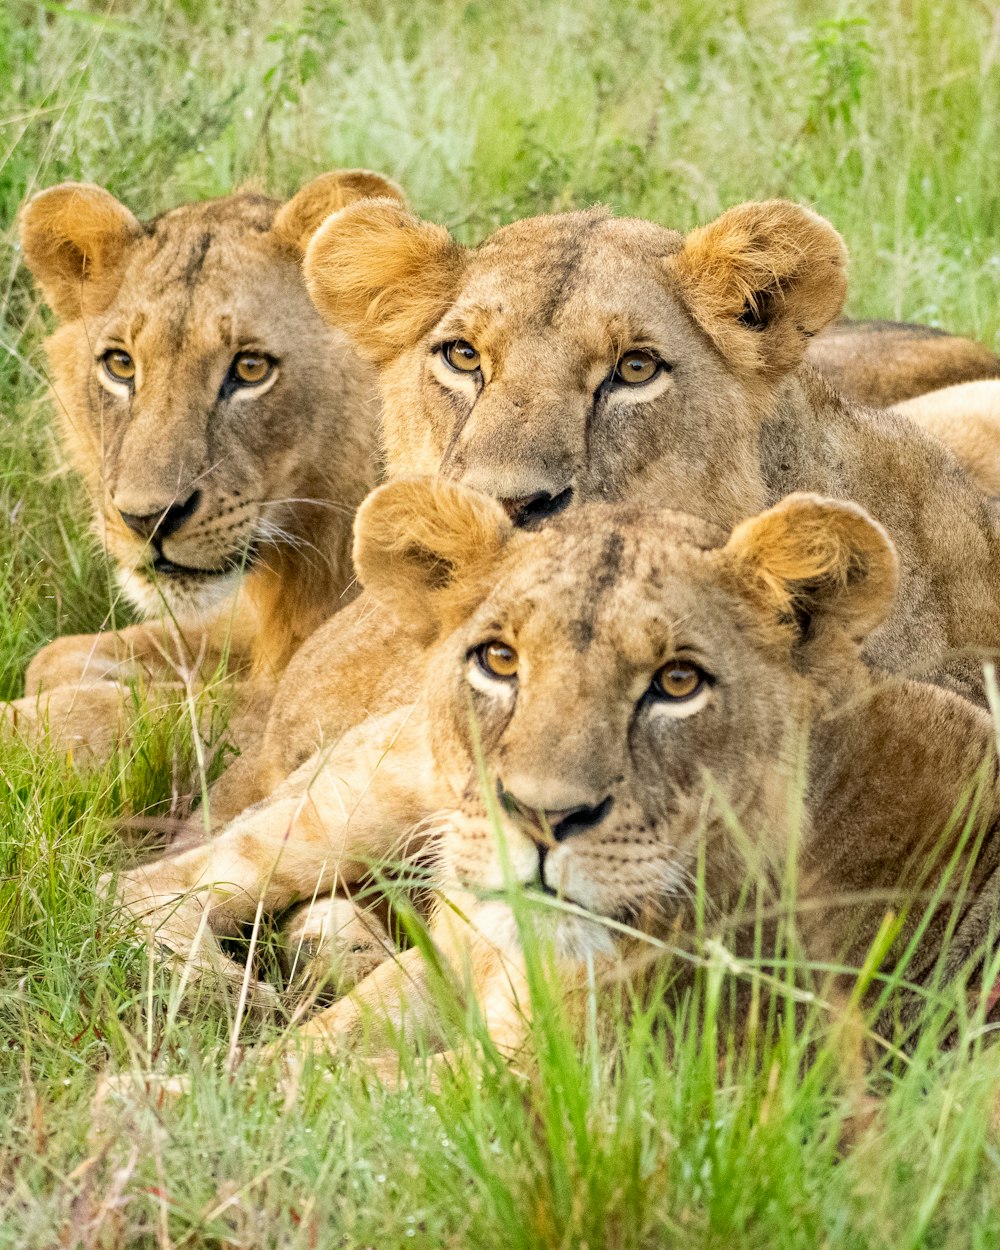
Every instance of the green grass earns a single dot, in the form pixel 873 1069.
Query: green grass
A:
pixel 886 118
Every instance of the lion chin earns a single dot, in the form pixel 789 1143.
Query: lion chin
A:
pixel 571 938
pixel 187 596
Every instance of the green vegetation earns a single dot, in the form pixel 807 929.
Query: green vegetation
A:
pixel 884 117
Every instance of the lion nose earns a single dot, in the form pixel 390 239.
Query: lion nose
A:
pixel 562 823
pixel 528 510
pixel 164 521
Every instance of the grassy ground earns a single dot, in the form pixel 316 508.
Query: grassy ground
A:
pixel 886 119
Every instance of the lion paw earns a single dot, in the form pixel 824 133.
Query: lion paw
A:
pixel 175 923
pixel 333 943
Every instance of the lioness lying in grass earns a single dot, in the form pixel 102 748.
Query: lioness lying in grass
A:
pixel 602 712
pixel 225 435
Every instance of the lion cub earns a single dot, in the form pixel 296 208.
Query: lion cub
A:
pixel 596 708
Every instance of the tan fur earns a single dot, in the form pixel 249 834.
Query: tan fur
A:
pixel 278 473
pixel 884 363
pixel 403 532
pixel 594 604
pixel 405 284
pixel 967 419
pixel 795 550
pixel 756 261
pixel 301 217
pixel 75 238
pixel 551 303
pixel 760 282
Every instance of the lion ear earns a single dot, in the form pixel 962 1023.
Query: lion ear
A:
pixel 299 219
pixel 377 272
pixel 761 280
pixel 75 238
pixel 422 547
pixel 824 566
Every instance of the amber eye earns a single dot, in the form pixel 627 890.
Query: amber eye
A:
pixel 678 680
pixel 634 368
pixel 497 659
pixel 251 368
pixel 118 364
pixel 461 356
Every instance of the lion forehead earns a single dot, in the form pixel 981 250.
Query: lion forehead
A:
pixel 608 584
pixel 205 283
pixel 580 271
pixel 536 240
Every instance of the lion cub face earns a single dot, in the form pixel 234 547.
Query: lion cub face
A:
pixel 198 389
pixel 579 357
pixel 636 684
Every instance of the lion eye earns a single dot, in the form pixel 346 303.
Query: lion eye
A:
pixel 677 681
pixel 634 368
pixel 251 368
pixel 461 356
pixel 497 659
pixel 118 364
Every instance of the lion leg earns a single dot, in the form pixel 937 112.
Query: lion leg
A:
pixel 74 697
pixel 151 652
pixel 324 825
pixel 398 1000
pixel 86 723
pixel 393 1003
pixel 82 659
pixel 395 1000
pixel 79 693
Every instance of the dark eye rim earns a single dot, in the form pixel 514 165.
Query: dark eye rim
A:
pixel 478 653
pixel 615 378
pixel 234 378
pixel 659 695
pixel 443 348
pixel 118 351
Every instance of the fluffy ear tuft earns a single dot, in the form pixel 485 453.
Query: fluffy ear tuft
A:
pixel 377 272
pixel 821 564
pixel 74 238
pixel 761 281
pixel 299 219
pixel 422 547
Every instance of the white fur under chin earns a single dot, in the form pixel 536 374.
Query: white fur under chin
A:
pixel 574 939
pixel 188 605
